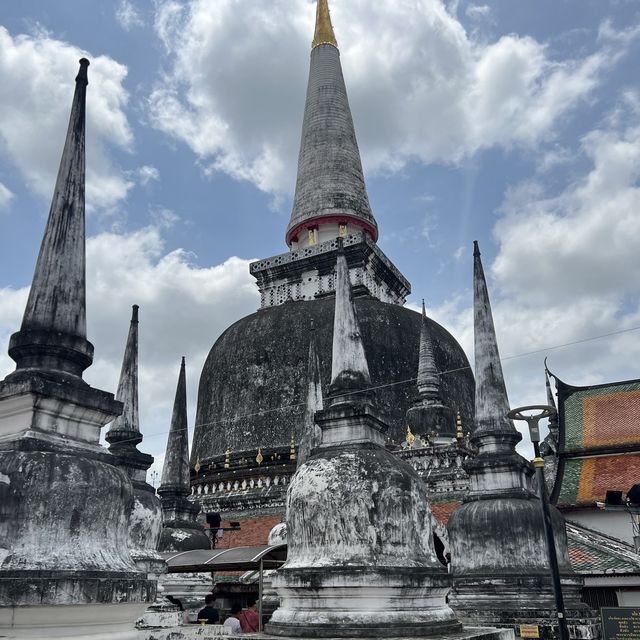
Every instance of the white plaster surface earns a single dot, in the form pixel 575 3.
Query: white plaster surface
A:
pixel 71 622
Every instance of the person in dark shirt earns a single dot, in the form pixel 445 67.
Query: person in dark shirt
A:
pixel 209 613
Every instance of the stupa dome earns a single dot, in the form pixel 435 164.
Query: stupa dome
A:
pixel 253 385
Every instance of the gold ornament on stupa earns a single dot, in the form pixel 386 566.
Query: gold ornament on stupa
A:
pixel 324 29
pixel 410 438
pixel 459 431
pixel 259 457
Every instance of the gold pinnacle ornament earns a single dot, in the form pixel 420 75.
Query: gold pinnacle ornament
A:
pixel 324 29
pixel 410 437
pixel 259 457
pixel 198 466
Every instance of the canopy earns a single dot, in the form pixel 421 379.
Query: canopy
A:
pixel 234 559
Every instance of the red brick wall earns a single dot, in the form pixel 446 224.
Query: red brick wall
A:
pixel 253 532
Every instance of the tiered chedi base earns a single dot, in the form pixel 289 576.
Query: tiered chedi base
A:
pixel 64 511
pixel 361 561
pixel 501 572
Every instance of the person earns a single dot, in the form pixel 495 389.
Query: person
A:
pixel 233 621
pixel 250 619
pixel 209 613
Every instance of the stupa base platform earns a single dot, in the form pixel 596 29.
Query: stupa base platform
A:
pixel 71 622
pixel 212 631
pixel 465 633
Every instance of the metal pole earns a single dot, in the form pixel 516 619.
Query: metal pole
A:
pixel 260 597
pixel 538 463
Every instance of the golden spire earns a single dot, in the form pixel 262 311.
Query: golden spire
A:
pixel 259 457
pixel 198 466
pixel 324 31
pixel 410 438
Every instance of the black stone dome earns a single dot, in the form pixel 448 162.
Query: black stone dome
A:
pixel 254 382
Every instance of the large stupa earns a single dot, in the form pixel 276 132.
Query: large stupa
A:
pixel 253 388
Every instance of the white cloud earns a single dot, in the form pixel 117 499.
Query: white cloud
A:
pixel 37 76
pixel 478 11
pixel 582 242
pixel 128 16
pixel 6 195
pixel 183 309
pixel 420 87
pixel 147 174
pixel 567 271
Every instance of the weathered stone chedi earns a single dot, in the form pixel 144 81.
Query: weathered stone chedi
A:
pixel 360 563
pixel 253 386
pixel 65 505
pixel 499 560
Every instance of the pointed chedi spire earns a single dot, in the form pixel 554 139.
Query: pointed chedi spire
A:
pixel 501 506
pixel 175 472
pixel 53 332
pixel 324 29
pixel 330 185
pixel 429 414
pixel 492 403
pixel 124 431
pixel 180 531
pixel 428 380
pixel 311 432
pixel 349 368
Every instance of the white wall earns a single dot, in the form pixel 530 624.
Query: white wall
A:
pixel 612 523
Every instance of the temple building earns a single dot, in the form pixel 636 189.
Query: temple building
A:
pixel 253 388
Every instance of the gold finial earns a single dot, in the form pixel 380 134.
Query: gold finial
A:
pixel 198 466
pixel 324 31
pixel 227 459
pixel 459 431
pixel 292 449
pixel 259 457
pixel 410 437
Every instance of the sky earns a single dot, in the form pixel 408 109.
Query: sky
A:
pixel 516 124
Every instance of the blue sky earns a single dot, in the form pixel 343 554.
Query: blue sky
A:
pixel 513 123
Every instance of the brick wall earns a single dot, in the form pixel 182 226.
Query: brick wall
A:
pixel 253 532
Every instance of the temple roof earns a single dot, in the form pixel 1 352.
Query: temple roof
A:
pixel 598 441
pixel 330 184
pixel 594 553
